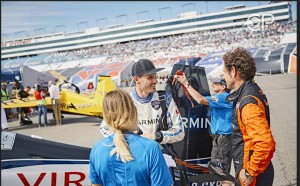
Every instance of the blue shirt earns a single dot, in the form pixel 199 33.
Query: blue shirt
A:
pixel 147 168
pixel 221 113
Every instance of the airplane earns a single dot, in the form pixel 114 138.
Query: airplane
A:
pixel 31 160
pixel 85 103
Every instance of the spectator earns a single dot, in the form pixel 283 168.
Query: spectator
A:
pixel 15 89
pixel 252 140
pixel 221 125
pixel 40 95
pixel 13 92
pixel 55 100
pixel 23 93
pixel 136 160
pixel 31 91
pixel 4 92
pixel 147 101
pixel 221 114
pixel 30 94
pixel 36 93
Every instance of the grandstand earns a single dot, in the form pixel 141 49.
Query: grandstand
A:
pixel 268 60
pixel 165 42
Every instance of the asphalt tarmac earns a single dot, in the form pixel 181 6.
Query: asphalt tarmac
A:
pixel 281 92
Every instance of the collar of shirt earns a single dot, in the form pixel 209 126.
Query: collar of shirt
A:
pixel 142 100
pixel 129 136
pixel 233 97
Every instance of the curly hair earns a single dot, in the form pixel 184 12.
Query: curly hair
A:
pixel 243 61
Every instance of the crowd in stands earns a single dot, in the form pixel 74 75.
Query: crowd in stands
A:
pixel 184 45
pixel 167 49
pixel 189 44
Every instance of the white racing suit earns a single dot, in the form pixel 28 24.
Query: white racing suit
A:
pixel 149 112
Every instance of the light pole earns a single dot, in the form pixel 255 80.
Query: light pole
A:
pixel 97 21
pixel 164 8
pixel 80 23
pixel 138 13
pixel 20 32
pixel 60 26
pixel 123 15
pixel 206 7
pixel 187 5
pixel 16 34
pixel 35 30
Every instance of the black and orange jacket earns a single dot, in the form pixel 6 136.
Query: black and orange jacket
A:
pixel 252 142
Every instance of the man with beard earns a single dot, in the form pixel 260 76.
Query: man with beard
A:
pixel 253 144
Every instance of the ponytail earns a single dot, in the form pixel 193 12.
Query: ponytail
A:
pixel 121 147
pixel 120 114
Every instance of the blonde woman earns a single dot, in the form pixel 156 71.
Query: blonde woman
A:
pixel 125 158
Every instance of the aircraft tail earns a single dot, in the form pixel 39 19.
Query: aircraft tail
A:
pixel 105 84
pixel 61 77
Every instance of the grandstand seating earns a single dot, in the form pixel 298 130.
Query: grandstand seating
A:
pixel 165 51
pixel 286 58
pixel 272 63
pixel 173 46
pixel 70 71
pixel 5 64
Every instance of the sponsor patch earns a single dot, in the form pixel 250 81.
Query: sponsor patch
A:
pixel 155 104
pixel 214 98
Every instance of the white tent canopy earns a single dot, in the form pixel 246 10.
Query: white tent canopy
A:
pixel 32 77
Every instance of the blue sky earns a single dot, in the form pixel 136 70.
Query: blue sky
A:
pixel 47 16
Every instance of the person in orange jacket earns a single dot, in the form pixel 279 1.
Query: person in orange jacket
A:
pixel 253 144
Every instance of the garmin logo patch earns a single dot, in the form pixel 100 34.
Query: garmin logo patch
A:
pixel 199 123
pixel 149 122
